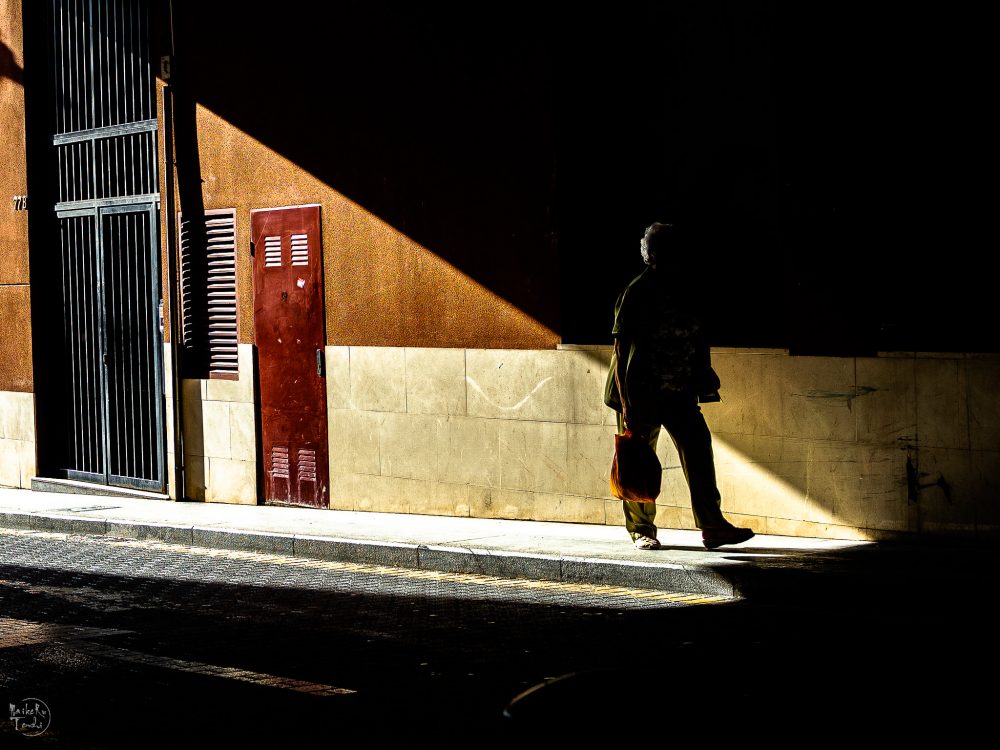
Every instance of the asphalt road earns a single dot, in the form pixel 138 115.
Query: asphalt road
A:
pixel 109 643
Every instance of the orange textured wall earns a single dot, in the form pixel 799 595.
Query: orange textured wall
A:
pixel 15 338
pixel 15 315
pixel 382 287
pixel 428 149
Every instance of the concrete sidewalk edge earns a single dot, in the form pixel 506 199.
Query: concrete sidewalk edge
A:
pixel 688 579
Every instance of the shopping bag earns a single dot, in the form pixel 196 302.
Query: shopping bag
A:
pixel 635 469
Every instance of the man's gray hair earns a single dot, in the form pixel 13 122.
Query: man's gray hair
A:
pixel 653 240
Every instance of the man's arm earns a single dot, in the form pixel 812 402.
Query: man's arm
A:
pixel 620 365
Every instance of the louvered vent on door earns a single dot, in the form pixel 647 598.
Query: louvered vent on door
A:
pixel 208 293
pixel 300 250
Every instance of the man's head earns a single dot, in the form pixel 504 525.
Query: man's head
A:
pixel 653 244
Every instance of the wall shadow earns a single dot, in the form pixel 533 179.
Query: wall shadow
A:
pixel 9 68
pixel 530 151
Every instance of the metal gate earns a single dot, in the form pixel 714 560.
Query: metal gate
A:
pixel 106 202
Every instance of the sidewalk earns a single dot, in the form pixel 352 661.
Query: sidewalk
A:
pixel 577 553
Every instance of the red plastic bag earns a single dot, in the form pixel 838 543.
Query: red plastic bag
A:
pixel 635 469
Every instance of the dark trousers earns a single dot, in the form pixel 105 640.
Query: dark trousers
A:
pixel 681 417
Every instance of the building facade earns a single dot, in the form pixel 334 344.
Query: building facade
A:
pixel 356 261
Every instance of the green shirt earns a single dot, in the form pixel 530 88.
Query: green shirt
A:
pixel 662 342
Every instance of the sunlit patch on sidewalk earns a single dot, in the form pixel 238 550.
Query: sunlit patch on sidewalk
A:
pixel 14 633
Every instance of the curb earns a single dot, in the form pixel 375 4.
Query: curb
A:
pixel 673 577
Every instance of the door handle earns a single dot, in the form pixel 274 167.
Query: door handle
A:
pixel 319 362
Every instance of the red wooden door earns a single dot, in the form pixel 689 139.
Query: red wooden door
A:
pixel 289 332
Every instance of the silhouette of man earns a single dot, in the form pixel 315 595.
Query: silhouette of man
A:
pixel 660 372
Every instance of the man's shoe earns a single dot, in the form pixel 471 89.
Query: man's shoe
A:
pixel 646 542
pixel 713 538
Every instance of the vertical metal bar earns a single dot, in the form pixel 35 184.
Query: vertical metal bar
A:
pixel 94 333
pixel 152 345
pixel 57 67
pixel 74 81
pixel 148 348
pixel 131 287
pixel 102 323
pixel 108 334
pixel 88 63
pixel 73 173
pixel 142 140
pixel 124 354
pixel 123 286
pixel 123 48
pixel 79 262
pixel 127 286
pixel 83 55
pixel 99 168
pixel 113 247
pixel 100 363
pixel 105 168
pixel 61 179
pixel 84 186
pixel 67 349
pixel 137 288
pixel 129 62
pixel 106 66
pixel 151 182
pixel 70 83
pixel 83 35
pixel 77 78
pixel 98 51
pixel 74 156
pixel 69 295
pixel 130 159
pixel 158 434
pixel 84 326
pixel 142 249
pixel 112 331
pixel 144 62
pixel 142 319
pixel 105 53
pixel 120 63
pixel 79 322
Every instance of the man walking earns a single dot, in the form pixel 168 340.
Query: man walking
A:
pixel 660 372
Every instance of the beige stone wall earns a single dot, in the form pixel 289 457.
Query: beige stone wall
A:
pixel 220 445
pixel 17 439
pixel 805 446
